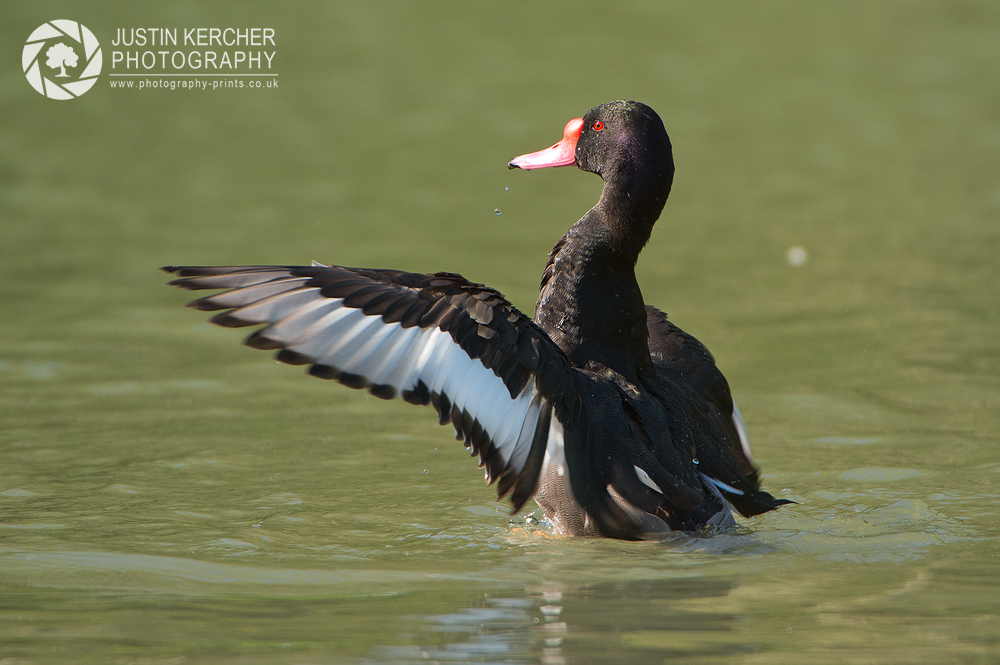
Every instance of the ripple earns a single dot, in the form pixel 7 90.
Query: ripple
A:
pixel 18 492
pixel 847 440
pixel 880 474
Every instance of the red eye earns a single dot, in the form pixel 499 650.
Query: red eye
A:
pixel 598 126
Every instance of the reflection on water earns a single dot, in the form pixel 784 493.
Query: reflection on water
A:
pixel 559 623
pixel 647 620
pixel 723 595
pixel 498 632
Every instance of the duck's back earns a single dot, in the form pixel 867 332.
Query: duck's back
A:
pixel 688 379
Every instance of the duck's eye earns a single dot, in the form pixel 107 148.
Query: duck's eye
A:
pixel 598 126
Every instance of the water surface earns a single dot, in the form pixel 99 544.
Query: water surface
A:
pixel 167 495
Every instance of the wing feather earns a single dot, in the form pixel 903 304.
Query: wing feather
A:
pixel 271 308
pixel 249 294
pixel 292 326
pixel 435 339
pixel 688 372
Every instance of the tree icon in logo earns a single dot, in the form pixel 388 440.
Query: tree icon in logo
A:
pixel 62 42
pixel 60 57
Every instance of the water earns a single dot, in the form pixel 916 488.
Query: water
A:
pixel 167 495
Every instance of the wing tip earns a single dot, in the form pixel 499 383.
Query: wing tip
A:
pixel 202 304
pixel 757 503
pixel 330 373
pixel 227 320
pixel 262 342
pixel 183 283
pixel 419 396
pixel 319 371
pixel 383 391
pixel 290 357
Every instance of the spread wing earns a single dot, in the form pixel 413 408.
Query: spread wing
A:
pixel 721 440
pixel 433 339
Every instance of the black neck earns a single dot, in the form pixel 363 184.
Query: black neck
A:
pixel 630 203
pixel 590 303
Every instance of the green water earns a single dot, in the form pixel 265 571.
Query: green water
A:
pixel 168 496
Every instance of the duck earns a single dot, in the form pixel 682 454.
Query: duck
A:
pixel 614 420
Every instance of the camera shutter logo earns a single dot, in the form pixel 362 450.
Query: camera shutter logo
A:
pixel 62 59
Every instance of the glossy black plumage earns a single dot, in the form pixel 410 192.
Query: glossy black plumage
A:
pixel 479 319
pixel 618 422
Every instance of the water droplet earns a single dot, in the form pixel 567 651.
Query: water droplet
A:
pixel 695 461
pixel 497 212
pixel 425 472
pixel 797 256
pixel 506 189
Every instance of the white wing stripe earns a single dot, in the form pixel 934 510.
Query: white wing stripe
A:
pixel 513 430
pixel 495 402
pixel 238 280
pixel 346 339
pixel 471 395
pixel 437 365
pixel 506 419
pixel 353 336
pixel 646 480
pixel 397 365
pixel 459 366
pixel 362 359
pixel 316 339
pixel 555 453
pixel 523 445
pixel 274 308
pixel 427 355
pixel 741 429
pixel 290 328
pixel 442 364
pixel 489 399
pixel 252 294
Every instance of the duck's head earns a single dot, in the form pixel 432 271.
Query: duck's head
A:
pixel 625 143
pixel 619 141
